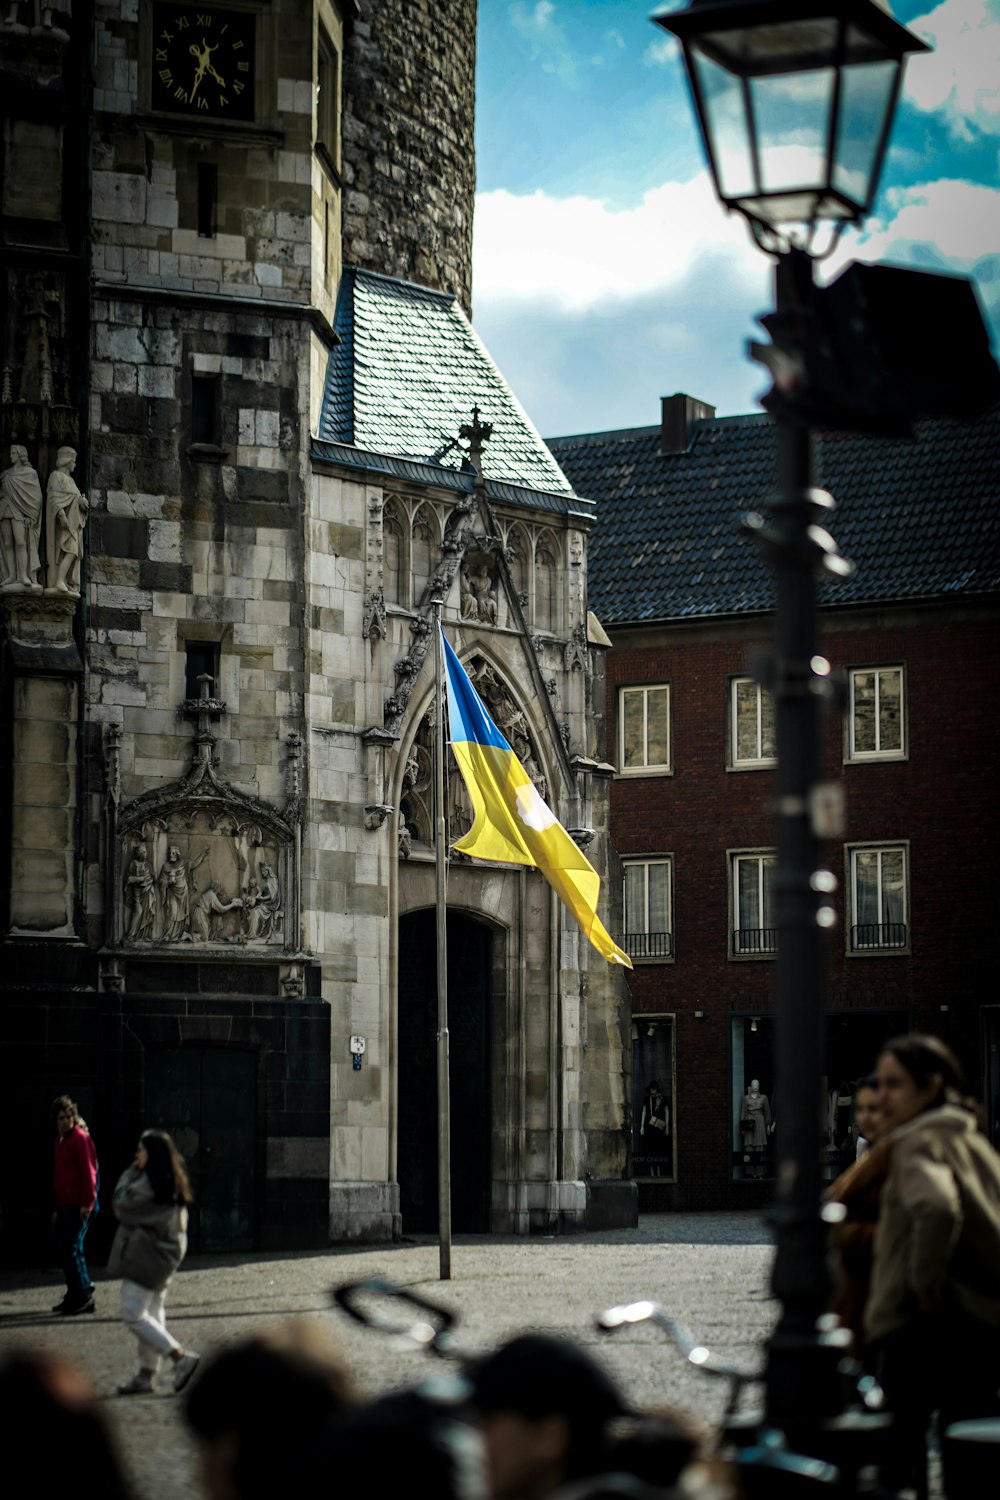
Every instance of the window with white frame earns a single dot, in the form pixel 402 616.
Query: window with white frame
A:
pixel 644 729
pixel 751 719
pixel 878 898
pixel 754 929
pixel 647 908
pixel 876 728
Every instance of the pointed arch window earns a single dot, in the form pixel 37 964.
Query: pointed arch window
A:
pixel 519 570
pixel 394 556
pixel 546 600
pixel 421 554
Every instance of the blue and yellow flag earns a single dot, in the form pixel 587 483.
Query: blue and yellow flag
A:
pixel 512 824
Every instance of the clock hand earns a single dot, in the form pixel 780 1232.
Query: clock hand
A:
pixel 204 55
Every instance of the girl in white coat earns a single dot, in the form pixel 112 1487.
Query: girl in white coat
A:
pixel 150 1203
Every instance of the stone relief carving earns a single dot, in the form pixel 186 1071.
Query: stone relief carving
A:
pixel 575 658
pixel 373 623
pixel 201 863
pixel 20 522
pixel 212 884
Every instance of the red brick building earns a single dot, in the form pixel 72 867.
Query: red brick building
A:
pixel 912 640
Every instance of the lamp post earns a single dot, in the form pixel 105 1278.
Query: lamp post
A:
pixel 795 100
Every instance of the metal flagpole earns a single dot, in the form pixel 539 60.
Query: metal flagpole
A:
pixel 441 901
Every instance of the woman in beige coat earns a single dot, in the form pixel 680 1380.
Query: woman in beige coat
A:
pixel 933 1309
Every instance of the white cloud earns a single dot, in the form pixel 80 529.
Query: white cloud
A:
pixel 578 253
pixel 961 75
pixel 592 313
pixel 661 52
pixel 550 48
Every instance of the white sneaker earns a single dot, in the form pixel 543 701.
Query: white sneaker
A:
pixel 139 1385
pixel 184 1368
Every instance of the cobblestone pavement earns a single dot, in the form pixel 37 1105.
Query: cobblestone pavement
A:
pixel 711 1270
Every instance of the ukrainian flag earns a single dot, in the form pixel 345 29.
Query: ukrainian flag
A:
pixel 512 824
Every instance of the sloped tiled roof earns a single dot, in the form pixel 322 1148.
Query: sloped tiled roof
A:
pixel 404 377
pixel 919 520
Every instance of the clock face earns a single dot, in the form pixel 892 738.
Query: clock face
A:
pixel 204 62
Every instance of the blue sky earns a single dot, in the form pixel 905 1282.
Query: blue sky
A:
pixel 605 272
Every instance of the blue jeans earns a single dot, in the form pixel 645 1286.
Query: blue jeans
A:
pixel 68 1234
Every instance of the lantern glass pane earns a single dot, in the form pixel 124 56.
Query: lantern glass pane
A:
pixel 787 47
pixel 866 93
pixel 792 117
pixel 724 102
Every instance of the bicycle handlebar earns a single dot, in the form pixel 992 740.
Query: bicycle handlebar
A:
pixel 696 1354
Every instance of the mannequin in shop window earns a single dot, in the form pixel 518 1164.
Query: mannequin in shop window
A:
pixel 654 1128
pixel 841 1117
pixel 755 1126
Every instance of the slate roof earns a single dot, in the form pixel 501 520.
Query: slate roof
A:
pixel 404 377
pixel 919 520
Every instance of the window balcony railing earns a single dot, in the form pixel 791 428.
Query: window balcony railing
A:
pixel 755 940
pixel 879 935
pixel 649 944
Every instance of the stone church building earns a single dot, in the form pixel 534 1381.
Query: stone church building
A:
pixel 249 438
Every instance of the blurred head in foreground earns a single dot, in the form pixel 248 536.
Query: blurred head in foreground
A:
pixel 259 1403
pixel 55 1434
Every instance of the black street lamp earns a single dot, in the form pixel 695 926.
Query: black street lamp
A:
pixel 795 101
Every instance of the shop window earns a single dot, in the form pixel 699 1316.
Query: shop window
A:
pixel 751 725
pixel 644 729
pixel 653 1092
pixel 878 899
pixel 648 928
pixel 755 934
pixel 876 720
pixel 753 1102
pixel 852 1042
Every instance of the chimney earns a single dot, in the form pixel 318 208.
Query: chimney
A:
pixel 678 415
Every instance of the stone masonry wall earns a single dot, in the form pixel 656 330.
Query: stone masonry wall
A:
pixel 409 147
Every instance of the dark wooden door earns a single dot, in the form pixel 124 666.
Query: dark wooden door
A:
pixel 470 960
pixel 206 1097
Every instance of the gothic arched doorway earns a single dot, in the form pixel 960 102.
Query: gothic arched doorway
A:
pixel 470 968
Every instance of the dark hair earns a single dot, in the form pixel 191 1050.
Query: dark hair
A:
pixel 49 1406
pixel 165 1168
pixel 870 1081
pixel 64 1102
pixel 290 1381
pixel 538 1376
pixel 926 1058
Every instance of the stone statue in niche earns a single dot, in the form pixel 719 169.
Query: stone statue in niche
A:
pixel 20 523
pixel 479 593
pixel 65 517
